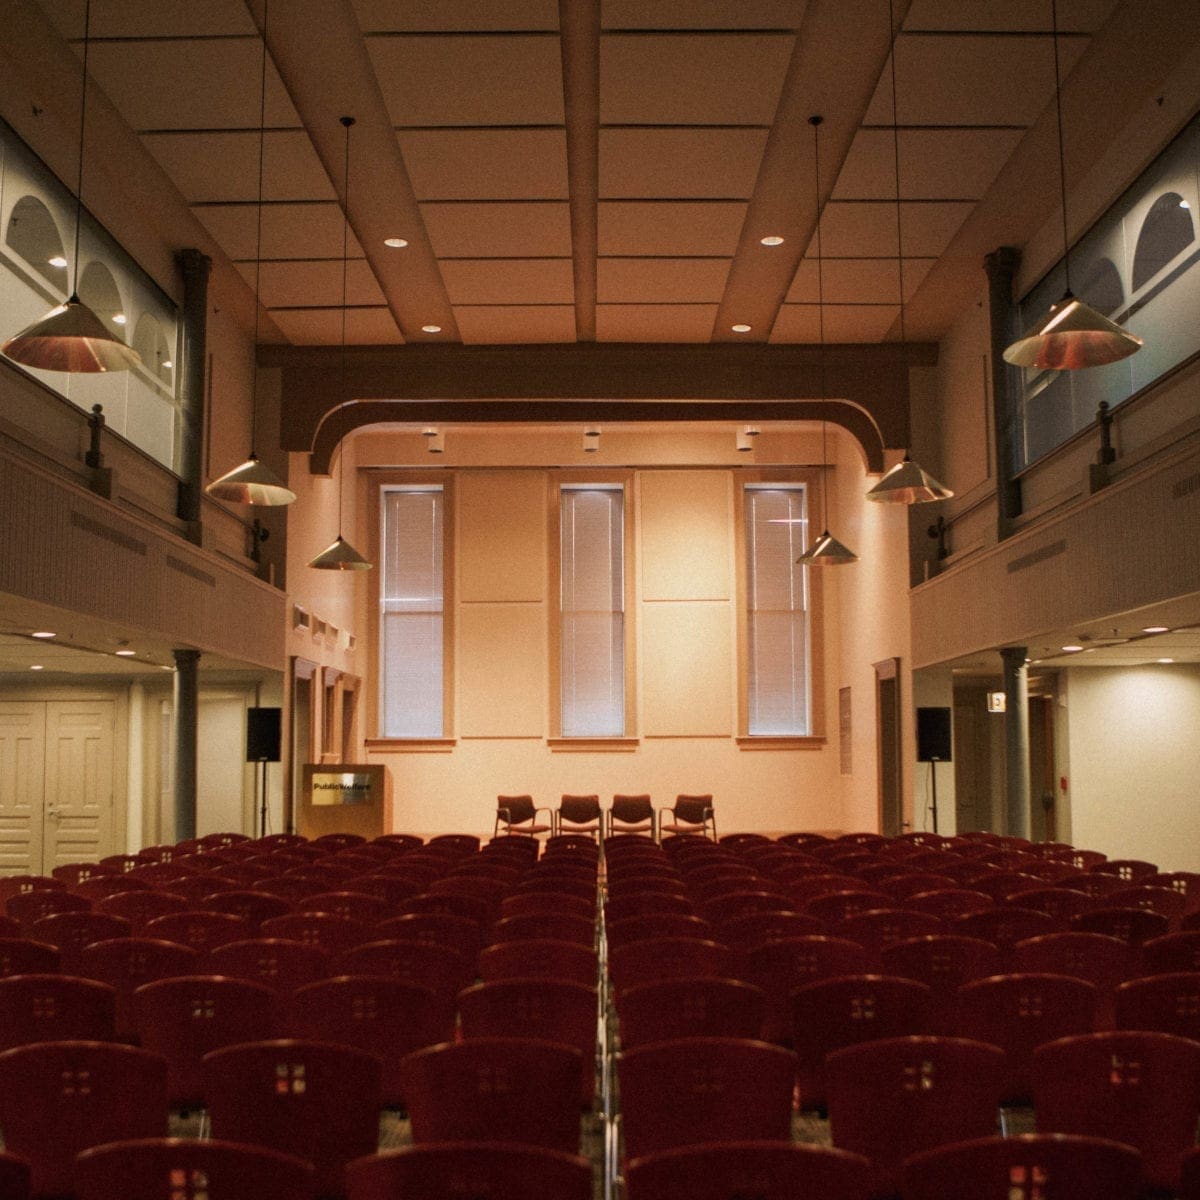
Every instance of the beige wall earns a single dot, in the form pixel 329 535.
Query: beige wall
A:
pixel 685 610
pixel 1134 761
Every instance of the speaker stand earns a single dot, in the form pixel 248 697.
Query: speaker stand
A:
pixel 262 812
pixel 933 762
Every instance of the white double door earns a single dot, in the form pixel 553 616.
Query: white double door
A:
pixel 57 767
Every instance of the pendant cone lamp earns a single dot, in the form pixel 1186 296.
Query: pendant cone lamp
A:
pixel 339 555
pixel 71 337
pixel 1073 335
pixel 253 482
pixel 826 551
pixel 907 482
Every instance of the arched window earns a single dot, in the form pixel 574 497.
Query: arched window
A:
pixel 151 343
pixel 1166 231
pixel 33 234
pixel 98 290
pixel 1100 286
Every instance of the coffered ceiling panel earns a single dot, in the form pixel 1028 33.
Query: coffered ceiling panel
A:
pixel 387 16
pixel 486 164
pixel 858 280
pixel 499 230
pixel 288 230
pixel 952 164
pixel 682 79
pixel 1074 16
pixel 482 325
pixel 606 169
pixel 654 322
pixel 843 322
pixel 190 84
pixel 688 163
pixel 509 281
pixel 851 229
pixel 323 326
pixel 668 229
pixel 971 80
pixel 660 280
pixel 224 166
pixel 470 80
pixel 702 14
pixel 301 284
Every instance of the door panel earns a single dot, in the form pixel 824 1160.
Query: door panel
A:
pixel 79 781
pixel 22 786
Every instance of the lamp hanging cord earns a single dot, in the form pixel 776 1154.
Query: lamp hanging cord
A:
pixel 893 37
pixel 258 221
pixel 87 32
pixel 816 122
pixel 347 122
pixel 1062 154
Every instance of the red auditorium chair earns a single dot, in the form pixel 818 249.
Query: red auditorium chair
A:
pixel 1139 1088
pixel 1179 951
pixel 14 1177
pixel 445 971
pixel 388 1018
pixel 186 1017
pixel 539 959
pixel 830 1014
pixel 58 1098
pixel 699 1090
pixel 1132 925
pixel 1026 1167
pixel 329 931
pixel 351 904
pixel 562 927
pixel 71 931
pixel 892 1098
pixel 552 1009
pixel 314 1101
pixel 202 931
pixel 1019 1012
pixel 254 907
pixel 944 962
pixel 24 956
pixel 1189 1176
pixel 127 963
pixel 762 1170
pixel 99 887
pixel 188 1169
pixel 1005 925
pixel 702 1007
pixel 461 934
pixel 519 904
pixel 1166 1003
pixel 282 965
pixel 487 1170
pixel 1102 960
pixel 140 907
pixel 513 1089
pixel 46 1008
pixel 665 958
pixel 27 907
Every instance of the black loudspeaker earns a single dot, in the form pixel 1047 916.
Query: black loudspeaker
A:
pixel 263 734
pixel 933 735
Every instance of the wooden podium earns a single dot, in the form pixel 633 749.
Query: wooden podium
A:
pixel 343 798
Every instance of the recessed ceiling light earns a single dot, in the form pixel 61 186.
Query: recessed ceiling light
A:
pixel 118 318
pixel 740 328
pixel 57 261
pixel 126 653
pixel 1156 629
pixel 1184 204
pixel 42 633
pixel 37 667
pixel 1166 660
pixel 431 329
pixel 396 243
pixel 772 239
pixel 1072 649
pixel 167 364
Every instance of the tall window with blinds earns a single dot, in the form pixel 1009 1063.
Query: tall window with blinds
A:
pixel 592 611
pixel 411 617
pixel 777 617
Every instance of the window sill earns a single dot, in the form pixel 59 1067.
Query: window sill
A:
pixel 412 745
pixel 779 742
pixel 602 745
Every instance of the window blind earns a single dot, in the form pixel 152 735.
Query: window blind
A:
pixel 776 523
pixel 592 612
pixel 411 613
